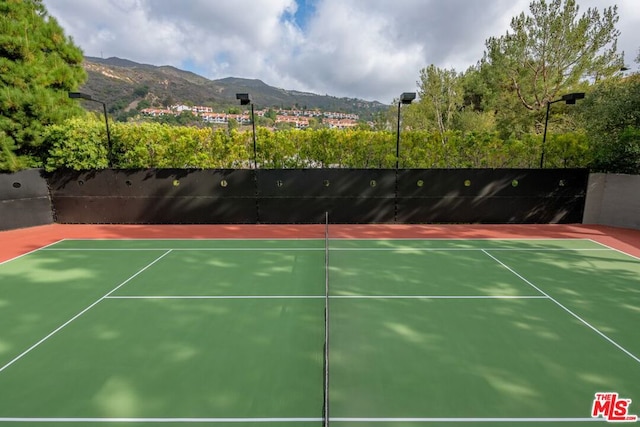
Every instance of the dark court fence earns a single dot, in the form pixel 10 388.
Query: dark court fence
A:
pixel 177 196
pixel 24 200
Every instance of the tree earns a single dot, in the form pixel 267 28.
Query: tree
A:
pixel 552 50
pixel 442 91
pixel 611 116
pixel 38 66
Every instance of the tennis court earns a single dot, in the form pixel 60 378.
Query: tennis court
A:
pixel 234 332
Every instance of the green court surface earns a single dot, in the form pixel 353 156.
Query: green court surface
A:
pixel 232 333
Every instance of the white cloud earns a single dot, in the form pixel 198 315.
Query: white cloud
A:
pixel 371 49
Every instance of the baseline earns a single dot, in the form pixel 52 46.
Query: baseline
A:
pixel 299 420
pixel 159 420
pixel 155 297
pixel 467 420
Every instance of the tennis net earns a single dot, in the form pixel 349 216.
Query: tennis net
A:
pixel 325 407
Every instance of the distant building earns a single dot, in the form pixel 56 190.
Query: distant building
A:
pixel 340 123
pixel 180 108
pixel 219 118
pixel 299 118
pixel 156 112
pixel 298 122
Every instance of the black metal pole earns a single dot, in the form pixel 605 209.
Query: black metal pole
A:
pixel 398 139
pixel 106 122
pixel 544 135
pixel 395 208
pixel 253 122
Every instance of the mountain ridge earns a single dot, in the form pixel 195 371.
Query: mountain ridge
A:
pixel 122 83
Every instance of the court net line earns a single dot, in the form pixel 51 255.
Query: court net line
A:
pixel 325 405
pixel 559 304
pixel 288 420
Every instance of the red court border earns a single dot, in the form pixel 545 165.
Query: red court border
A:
pixel 14 243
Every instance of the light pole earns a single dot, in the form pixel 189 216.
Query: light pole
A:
pixel 406 98
pixel 244 100
pixel 79 95
pixel 570 99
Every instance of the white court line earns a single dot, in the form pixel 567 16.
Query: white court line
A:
pixel 21 355
pixel 215 297
pixel 593 328
pixel 408 249
pixel 418 239
pixel 213 239
pixel 298 420
pixel 614 249
pixel 399 249
pixel 191 249
pixel 44 248
pixel 330 297
pixel 160 420
pixel 466 420
pixel 438 297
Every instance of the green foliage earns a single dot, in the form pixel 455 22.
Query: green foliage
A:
pixel 232 125
pixel 475 121
pixel 78 144
pixel 552 49
pixel 185 118
pixel 611 116
pixel 153 145
pixel 141 91
pixel 441 96
pixel 621 155
pixel 38 66
pixel 81 144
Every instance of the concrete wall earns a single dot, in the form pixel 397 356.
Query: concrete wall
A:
pixel 614 200
pixel 24 200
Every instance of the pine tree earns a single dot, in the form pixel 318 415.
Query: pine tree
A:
pixel 39 65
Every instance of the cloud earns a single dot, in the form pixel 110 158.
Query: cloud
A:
pixel 370 49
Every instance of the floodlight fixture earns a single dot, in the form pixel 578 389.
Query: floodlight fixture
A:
pixel 407 97
pixel 244 98
pixel 569 99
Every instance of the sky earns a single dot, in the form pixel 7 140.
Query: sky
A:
pixel 367 49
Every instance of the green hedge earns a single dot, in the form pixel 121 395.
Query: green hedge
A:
pixel 82 144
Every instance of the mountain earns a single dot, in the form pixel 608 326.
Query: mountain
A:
pixel 123 84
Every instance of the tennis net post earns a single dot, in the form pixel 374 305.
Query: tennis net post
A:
pixel 325 407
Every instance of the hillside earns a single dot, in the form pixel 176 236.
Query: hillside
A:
pixel 122 84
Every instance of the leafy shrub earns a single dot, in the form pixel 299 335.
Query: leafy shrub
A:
pixel 81 144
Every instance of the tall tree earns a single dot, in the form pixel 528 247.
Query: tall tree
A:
pixel 552 49
pixel 441 95
pixel 611 116
pixel 38 66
